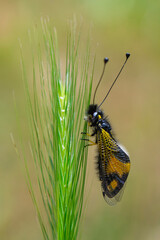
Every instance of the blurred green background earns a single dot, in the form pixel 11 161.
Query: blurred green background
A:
pixel 133 108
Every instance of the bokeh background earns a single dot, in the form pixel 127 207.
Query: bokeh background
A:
pixel 133 108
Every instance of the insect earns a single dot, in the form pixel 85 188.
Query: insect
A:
pixel 113 162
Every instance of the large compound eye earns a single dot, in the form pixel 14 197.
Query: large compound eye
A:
pixel 94 114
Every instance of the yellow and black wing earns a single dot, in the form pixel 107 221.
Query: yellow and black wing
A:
pixel 113 165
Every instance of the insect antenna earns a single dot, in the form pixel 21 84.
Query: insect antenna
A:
pixel 127 56
pixel 105 61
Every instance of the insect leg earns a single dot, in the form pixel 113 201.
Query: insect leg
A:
pixel 92 143
pixel 90 135
pixel 86 134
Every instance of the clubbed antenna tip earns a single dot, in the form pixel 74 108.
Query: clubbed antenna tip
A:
pixel 128 55
pixel 106 60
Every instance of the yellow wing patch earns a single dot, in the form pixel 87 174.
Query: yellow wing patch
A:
pixel 112 185
pixel 116 166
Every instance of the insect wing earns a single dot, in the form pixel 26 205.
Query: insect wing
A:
pixel 113 165
pixel 117 198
